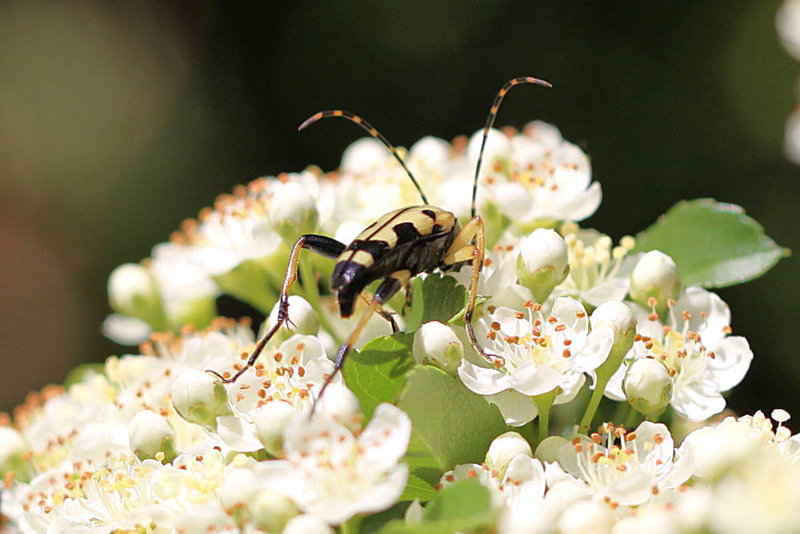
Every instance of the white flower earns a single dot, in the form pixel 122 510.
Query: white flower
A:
pixel 521 483
pixel 334 474
pixel 751 484
pixel 535 175
pixel 627 473
pixel 788 24
pixel 598 272
pixel 541 353
pixel 695 346
pixel 240 228
pixel 648 385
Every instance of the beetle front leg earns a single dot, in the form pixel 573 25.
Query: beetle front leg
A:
pixel 390 285
pixel 470 245
pixel 324 246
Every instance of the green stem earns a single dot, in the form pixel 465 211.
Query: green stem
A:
pixel 543 403
pixel 594 403
pixel 351 526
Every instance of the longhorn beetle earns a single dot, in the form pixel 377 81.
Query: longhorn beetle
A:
pixel 395 248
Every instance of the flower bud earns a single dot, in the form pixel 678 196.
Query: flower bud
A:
pixel 149 433
pixel 271 511
pixel 307 524
pixel 543 262
pixel 655 276
pixel 619 317
pixel 133 291
pixel 199 398
pixel 12 452
pixel 302 318
pixel 547 450
pixel 435 343
pixel 292 211
pixel 270 422
pixel 648 385
pixel 504 448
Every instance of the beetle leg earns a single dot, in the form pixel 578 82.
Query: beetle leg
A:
pixel 470 245
pixel 390 285
pixel 383 312
pixel 324 246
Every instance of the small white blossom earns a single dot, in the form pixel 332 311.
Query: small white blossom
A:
pixel 598 271
pixel 334 474
pixel 695 346
pixel 655 277
pixel 627 473
pixel 541 353
pixel 535 175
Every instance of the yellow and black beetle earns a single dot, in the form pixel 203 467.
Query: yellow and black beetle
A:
pixel 395 248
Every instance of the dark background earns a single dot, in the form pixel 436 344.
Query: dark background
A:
pixel 118 120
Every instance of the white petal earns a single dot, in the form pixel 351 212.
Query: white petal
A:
pixel 385 440
pixel 731 362
pixel 697 401
pixel 533 380
pixel 481 380
pixel 517 409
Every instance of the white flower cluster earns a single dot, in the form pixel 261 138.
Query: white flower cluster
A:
pixel 740 476
pixel 154 443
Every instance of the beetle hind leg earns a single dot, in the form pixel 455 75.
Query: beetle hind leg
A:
pixel 470 246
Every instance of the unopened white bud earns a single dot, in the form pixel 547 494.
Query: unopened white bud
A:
pixel 12 452
pixel 547 450
pixel 302 318
pixel 133 291
pixel 270 422
pixel 543 262
pixel 620 319
pixel 293 211
pixel 648 385
pixel 505 448
pixel 271 511
pixel 307 524
pixel 435 343
pixel 341 405
pixel 655 276
pixel 149 434
pixel 199 398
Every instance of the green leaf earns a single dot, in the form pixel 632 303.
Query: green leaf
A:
pixel 714 244
pixel 377 372
pixel 451 425
pixel 435 298
pixel 462 507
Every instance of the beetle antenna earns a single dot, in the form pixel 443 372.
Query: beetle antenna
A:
pixel 371 130
pixel 490 122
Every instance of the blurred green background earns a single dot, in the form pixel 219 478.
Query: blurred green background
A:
pixel 118 120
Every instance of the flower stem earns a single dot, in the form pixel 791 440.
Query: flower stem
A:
pixel 594 403
pixel 633 418
pixel 543 403
pixel 351 526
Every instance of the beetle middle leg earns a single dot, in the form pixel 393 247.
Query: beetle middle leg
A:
pixel 322 245
pixel 470 245
pixel 386 290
